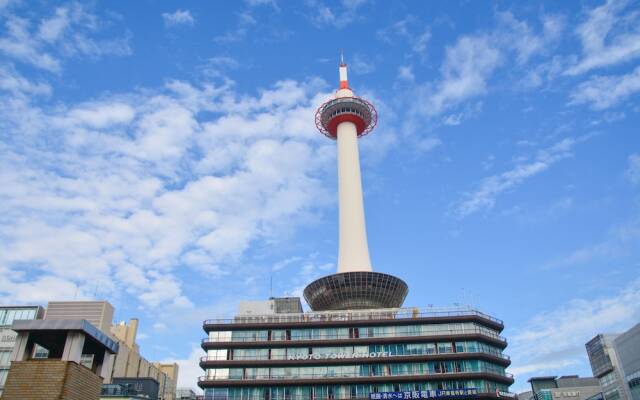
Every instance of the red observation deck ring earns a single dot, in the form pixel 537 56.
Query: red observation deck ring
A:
pixel 346 109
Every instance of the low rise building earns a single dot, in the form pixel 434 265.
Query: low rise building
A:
pixel 61 375
pixel 185 394
pixel 128 363
pixel 568 387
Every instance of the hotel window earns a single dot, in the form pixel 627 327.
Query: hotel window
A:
pixel 457 367
pixel 444 348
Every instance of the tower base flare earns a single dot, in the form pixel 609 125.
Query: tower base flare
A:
pixel 356 290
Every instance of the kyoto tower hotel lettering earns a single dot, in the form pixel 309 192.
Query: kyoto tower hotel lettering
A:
pixel 358 341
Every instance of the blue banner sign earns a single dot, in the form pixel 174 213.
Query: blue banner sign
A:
pixel 424 394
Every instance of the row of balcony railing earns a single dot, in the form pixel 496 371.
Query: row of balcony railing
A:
pixel 354 315
pixel 280 357
pixel 334 374
pixel 344 336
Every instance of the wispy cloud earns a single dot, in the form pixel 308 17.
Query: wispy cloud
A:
pixel 633 170
pixel 554 340
pixel 362 65
pixel 619 241
pixel 409 30
pixel 493 186
pixel 68 32
pixel 610 35
pixel 465 70
pixel 336 15
pixel 602 92
pixel 178 17
pixel 405 73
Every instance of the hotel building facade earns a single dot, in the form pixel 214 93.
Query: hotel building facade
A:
pixel 355 354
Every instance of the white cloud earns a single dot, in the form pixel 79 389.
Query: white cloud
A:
pixel 361 65
pixel 554 340
pixel 338 15
pixel 616 243
pixel 258 3
pixel 633 171
pixel 610 35
pixel 67 33
pixel 602 92
pixel 120 193
pixel 410 30
pixel 420 43
pixel 472 60
pixel 102 115
pixel 465 71
pixel 20 45
pixel 491 187
pixel 52 29
pixel 12 81
pixel 178 17
pixel 405 73
pixel 519 36
pixel 428 144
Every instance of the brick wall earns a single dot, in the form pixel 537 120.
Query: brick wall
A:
pixel 51 380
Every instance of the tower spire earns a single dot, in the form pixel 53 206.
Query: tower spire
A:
pixel 344 83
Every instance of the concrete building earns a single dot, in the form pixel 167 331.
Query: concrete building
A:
pixel 168 378
pixel 98 313
pixel 615 360
pixel 628 350
pixel 357 342
pixel 569 387
pixel 185 394
pixel 8 314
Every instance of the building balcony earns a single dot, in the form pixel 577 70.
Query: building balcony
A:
pixel 391 316
pixel 253 361
pixel 347 378
pixel 480 334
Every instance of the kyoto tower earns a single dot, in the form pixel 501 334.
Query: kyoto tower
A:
pixel 346 118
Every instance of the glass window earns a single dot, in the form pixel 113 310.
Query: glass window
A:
pixel 3 376
pixel 5 357
pixel 444 348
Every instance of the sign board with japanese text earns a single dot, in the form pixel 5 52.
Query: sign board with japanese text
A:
pixel 424 394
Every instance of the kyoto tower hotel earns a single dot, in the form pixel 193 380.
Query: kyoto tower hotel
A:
pixel 358 341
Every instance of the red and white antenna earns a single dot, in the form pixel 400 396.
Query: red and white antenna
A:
pixel 344 82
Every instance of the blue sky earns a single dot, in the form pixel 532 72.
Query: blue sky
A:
pixel 163 156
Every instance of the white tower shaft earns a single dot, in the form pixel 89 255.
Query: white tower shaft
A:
pixel 353 254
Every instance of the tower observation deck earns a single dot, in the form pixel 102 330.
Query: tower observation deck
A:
pixel 345 118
